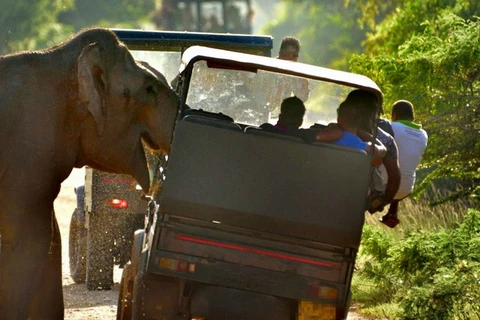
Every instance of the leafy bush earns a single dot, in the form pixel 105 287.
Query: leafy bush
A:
pixel 426 274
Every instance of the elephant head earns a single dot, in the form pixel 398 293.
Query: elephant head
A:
pixel 123 103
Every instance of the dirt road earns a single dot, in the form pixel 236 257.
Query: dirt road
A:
pixel 81 304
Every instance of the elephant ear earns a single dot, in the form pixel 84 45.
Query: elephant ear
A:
pixel 92 83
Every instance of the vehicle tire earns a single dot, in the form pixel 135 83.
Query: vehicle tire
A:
pixel 124 305
pixel 77 248
pixel 99 253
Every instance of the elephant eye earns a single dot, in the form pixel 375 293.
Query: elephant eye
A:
pixel 151 89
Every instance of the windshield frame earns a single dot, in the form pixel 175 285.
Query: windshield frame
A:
pixel 243 61
pixel 223 59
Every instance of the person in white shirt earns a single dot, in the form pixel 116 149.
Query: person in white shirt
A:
pixel 411 141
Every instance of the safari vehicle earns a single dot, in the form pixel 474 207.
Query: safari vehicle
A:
pixel 111 207
pixel 249 224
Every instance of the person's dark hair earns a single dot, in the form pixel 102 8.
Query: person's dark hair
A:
pixel 349 113
pixel 292 111
pixel 290 41
pixel 368 107
pixel 403 109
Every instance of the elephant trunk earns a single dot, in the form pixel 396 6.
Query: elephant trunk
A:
pixel 140 168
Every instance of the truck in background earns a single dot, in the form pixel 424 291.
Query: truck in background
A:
pixel 109 208
pixel 217 16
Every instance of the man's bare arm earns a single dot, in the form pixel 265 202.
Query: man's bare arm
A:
pixel 378 149
pixel 331 133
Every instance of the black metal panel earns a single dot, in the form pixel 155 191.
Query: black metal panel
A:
pixel 314 192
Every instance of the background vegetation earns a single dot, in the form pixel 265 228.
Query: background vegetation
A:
pixel 428 267
pixel 425 51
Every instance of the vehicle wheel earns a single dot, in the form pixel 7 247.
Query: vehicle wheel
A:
pixel 77 248
pixel 99 253
pixel 124 305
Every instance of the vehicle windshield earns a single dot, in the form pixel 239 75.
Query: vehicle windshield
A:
pixel 254 98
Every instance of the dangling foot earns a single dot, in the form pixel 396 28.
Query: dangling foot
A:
pixel 389 220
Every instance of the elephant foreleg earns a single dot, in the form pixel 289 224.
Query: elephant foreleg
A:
pixel 48 301
pixel 23 257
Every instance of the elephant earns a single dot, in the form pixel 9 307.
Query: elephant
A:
pixel 84 102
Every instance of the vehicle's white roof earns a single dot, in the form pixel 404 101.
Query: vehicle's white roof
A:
pixel 254 62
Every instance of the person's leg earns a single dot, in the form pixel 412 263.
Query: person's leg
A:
pixel 391 217
pixel 375 201
pixel 393 209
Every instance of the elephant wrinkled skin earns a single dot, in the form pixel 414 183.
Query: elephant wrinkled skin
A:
pixel 84 102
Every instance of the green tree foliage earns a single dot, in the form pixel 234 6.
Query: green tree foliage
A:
pixel 429 275
pixel 394 22
pixel 373 11
pixel 29 25
pixel 26 24
pixel 327 29
pixel 438 70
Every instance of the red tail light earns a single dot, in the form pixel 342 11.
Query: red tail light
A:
pixel 119 203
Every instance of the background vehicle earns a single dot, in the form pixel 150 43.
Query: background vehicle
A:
pixel 109 206
pixel 229 16
pixel 249 224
